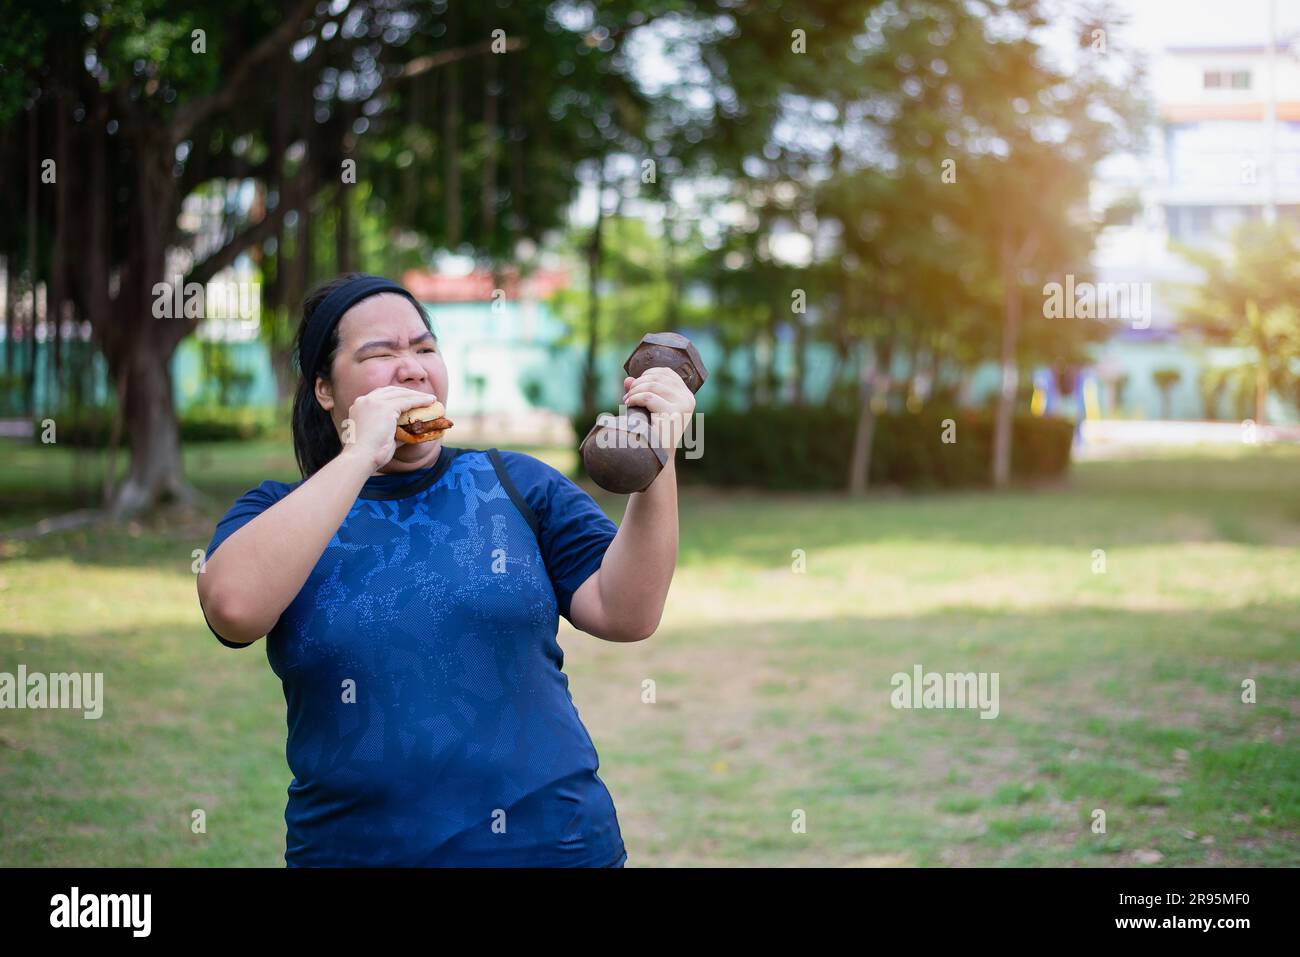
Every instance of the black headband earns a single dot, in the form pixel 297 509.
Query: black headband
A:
pixel 327 315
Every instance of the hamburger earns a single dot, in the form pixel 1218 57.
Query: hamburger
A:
pixel 422 424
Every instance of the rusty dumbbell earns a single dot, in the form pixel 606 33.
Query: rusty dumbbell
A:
pixel 619 451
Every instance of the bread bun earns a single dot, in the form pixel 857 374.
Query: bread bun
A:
pixel 424 423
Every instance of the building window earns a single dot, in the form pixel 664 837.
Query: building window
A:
pixel 1226 79
pixel 1193 225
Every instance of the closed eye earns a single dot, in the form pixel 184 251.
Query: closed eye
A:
pixel 389 355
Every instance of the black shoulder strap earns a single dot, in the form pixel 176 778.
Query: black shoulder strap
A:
pixel 508 484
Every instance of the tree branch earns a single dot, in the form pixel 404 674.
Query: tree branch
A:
pixel 197 110
pixel 249 236
pixel 226 255
pixel 423 64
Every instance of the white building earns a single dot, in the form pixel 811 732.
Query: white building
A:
pixel 1226 150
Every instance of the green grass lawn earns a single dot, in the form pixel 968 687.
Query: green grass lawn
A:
pixel 1119 691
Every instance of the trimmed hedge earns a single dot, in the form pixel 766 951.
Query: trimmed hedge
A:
pixel 213 424
pixel 806 449
pixel 91 428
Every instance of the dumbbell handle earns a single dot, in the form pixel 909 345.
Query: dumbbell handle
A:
pixel 638 417
pixel 621 469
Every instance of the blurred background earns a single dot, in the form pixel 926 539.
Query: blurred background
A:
pixel 1000 301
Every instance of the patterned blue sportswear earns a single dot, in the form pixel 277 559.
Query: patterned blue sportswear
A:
pixel 429 719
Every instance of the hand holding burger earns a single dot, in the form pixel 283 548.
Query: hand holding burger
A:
pixel 422 424
pixel 380 422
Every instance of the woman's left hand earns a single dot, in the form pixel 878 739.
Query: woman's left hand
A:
pixel 662 393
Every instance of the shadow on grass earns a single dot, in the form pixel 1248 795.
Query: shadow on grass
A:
pixel 1164 501
pixel 1104 504
pixel 1135 713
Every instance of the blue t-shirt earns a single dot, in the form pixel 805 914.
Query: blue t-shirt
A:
pixel 429 719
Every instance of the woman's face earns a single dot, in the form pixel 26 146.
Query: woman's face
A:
pixel 382 341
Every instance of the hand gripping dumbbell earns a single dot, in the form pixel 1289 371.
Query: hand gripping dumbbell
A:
pixel 618 452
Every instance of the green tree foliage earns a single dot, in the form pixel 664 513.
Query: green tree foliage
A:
pixel 943 152
pixel 1248 298
pixel 465 123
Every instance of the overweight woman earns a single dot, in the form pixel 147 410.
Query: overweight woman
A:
pixel 410 597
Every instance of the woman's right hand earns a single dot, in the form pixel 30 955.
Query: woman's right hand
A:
pixel 371 425
pixel 249 582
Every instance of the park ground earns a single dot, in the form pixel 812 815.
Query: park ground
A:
pixel 1120 689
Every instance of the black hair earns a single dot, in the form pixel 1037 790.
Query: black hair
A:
pixel 315 439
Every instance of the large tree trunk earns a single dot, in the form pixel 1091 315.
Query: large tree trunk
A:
pixel 763 350
pixel 154 435
pixel 33 179
pixel 723 381
pixel 863 436
pixel 875 368
pixel 1010 369
pixel 594 259
pixel 58 290
pixel 799 371
pixel 343 232
pixel 492 138
pixel 451 150
pixel 674 273
pixel 142 351
pixel 11 320
pixel 758 360
pixel 286 379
